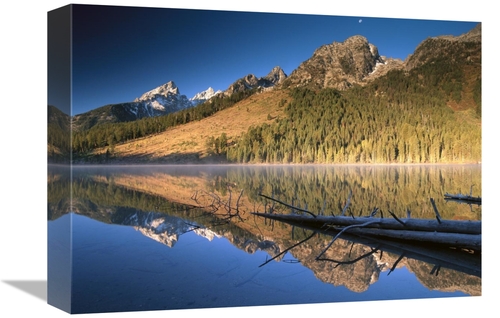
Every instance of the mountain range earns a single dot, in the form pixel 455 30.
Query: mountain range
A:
pixel 166 99
pixel 339 65
pixel 162 100
pixel 448 68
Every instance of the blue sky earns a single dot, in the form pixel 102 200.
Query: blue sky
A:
pixel 121 52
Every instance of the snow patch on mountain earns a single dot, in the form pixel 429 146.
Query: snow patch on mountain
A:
pixel 163 99
pixel 202 97
pixel 165 90
pixel 165 229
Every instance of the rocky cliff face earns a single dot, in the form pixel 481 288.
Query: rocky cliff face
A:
pixel 275 77
pixel 356 61
pixel 342 65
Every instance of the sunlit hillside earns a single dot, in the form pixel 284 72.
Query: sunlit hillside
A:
pixel 192 142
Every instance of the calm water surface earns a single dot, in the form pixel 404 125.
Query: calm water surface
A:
pixel 180 237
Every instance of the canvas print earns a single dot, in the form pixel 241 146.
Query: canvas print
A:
pixel 209 159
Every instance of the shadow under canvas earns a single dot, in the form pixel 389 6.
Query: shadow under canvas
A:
pixel 37 288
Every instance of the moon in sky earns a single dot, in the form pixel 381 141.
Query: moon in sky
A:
pixel 360 20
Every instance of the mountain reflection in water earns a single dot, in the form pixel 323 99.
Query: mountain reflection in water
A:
pixel 173 237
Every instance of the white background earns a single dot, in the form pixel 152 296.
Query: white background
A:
pixel 23 155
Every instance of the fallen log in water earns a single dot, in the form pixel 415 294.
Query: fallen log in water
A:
pixel 463 198
pixel 429 225
pixel 455 244
pixel 466 262
pixel 461 234
pixel 468 241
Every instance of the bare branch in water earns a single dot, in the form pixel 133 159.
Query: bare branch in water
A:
pixel 374 212
pixel 343 230
pixel 373 250
pixel 347 203
pixel 438 217
pixel 396 218
pixel 436 269
pixel 297 244
pixel 396 263
pixel 287 205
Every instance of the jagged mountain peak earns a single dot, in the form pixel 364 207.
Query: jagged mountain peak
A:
pixel 339 65
pixel 276 76
pixel 204 96
pixel 166 89
pixel 250 81
pixel 161 100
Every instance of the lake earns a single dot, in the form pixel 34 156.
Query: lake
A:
pixel 184 237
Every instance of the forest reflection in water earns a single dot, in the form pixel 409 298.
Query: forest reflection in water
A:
pixel 164 203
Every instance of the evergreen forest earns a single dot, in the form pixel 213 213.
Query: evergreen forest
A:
pixel 110 134
pixel 431 114
pixel 428 114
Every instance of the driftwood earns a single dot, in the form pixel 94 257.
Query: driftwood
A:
pixel 460 252
pixel 449 233
pixel 468 198
pixel 460 260
pixel 463 234
pixel 463 198
pixel 430 225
